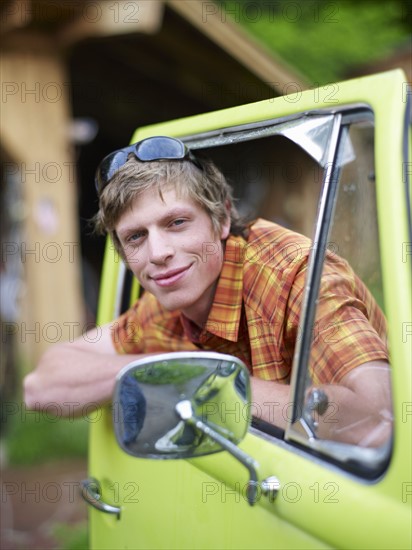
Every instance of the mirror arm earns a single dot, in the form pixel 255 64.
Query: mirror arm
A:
pixel 185 411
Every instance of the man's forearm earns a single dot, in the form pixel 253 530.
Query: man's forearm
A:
pixel 350 418
pixel 270 401
pixel 358 410
pixel 73 379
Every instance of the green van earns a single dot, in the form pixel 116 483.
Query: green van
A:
pixel 333 163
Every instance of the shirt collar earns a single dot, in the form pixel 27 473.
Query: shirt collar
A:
pixel 224 316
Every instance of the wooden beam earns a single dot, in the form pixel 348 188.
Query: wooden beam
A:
pixel 113 18
pixel 15 14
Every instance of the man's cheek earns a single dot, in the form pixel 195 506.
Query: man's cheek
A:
pixel 211 252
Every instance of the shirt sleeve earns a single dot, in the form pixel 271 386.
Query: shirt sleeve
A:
pixel 349 327
pixel 127 332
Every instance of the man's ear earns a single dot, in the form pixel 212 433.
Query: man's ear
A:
pixel 225 228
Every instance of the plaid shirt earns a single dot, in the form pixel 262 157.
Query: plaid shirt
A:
pixel 256 308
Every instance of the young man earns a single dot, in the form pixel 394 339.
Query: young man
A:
pixel 213 283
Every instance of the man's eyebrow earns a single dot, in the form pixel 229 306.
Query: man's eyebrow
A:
pixel 129 227
pixel 176 212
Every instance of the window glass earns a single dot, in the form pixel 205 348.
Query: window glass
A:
pixel 345 407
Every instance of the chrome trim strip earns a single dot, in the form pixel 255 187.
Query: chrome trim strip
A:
pixel 121 275
pixel 313 277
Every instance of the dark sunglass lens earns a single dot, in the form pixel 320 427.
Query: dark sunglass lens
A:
pixel 109 166
pixel 114 163
pixel 160 148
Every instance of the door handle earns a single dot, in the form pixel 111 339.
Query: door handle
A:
pixel 91 493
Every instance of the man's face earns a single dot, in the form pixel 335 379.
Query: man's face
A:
pixel 173 251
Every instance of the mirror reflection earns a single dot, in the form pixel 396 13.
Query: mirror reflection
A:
pixel 147 392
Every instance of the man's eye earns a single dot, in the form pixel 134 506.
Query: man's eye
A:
pixel 135 237
pixel 178 222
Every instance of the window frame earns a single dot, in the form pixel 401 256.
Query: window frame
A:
pixel 365 462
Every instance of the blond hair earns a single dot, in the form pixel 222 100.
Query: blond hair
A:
pixel 207 187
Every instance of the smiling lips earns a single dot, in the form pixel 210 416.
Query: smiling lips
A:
pixel 170 277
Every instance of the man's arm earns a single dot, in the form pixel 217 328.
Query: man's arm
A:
pixel 362 407
pixel 270 401
pixel 76 375
pixel 359 410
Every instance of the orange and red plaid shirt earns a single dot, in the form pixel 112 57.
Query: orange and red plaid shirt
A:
pixel 256 309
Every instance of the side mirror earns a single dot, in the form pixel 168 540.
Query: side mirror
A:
pixel 164 404
pixel 184 405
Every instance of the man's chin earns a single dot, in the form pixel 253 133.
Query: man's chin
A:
pixel 171 305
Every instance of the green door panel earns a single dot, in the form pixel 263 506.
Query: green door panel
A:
pixel 174 504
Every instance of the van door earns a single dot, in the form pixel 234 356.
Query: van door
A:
pixel 334 165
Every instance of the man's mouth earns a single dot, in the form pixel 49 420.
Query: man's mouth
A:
pixel 170 277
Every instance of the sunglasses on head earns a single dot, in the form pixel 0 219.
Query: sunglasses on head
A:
pixel 153 148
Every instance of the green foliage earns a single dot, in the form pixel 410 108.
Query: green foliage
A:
pixel 168 373
pixel 324 40
pixel 33 438
pixel 71 537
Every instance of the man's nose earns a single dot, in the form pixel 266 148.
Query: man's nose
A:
pixel 160 248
